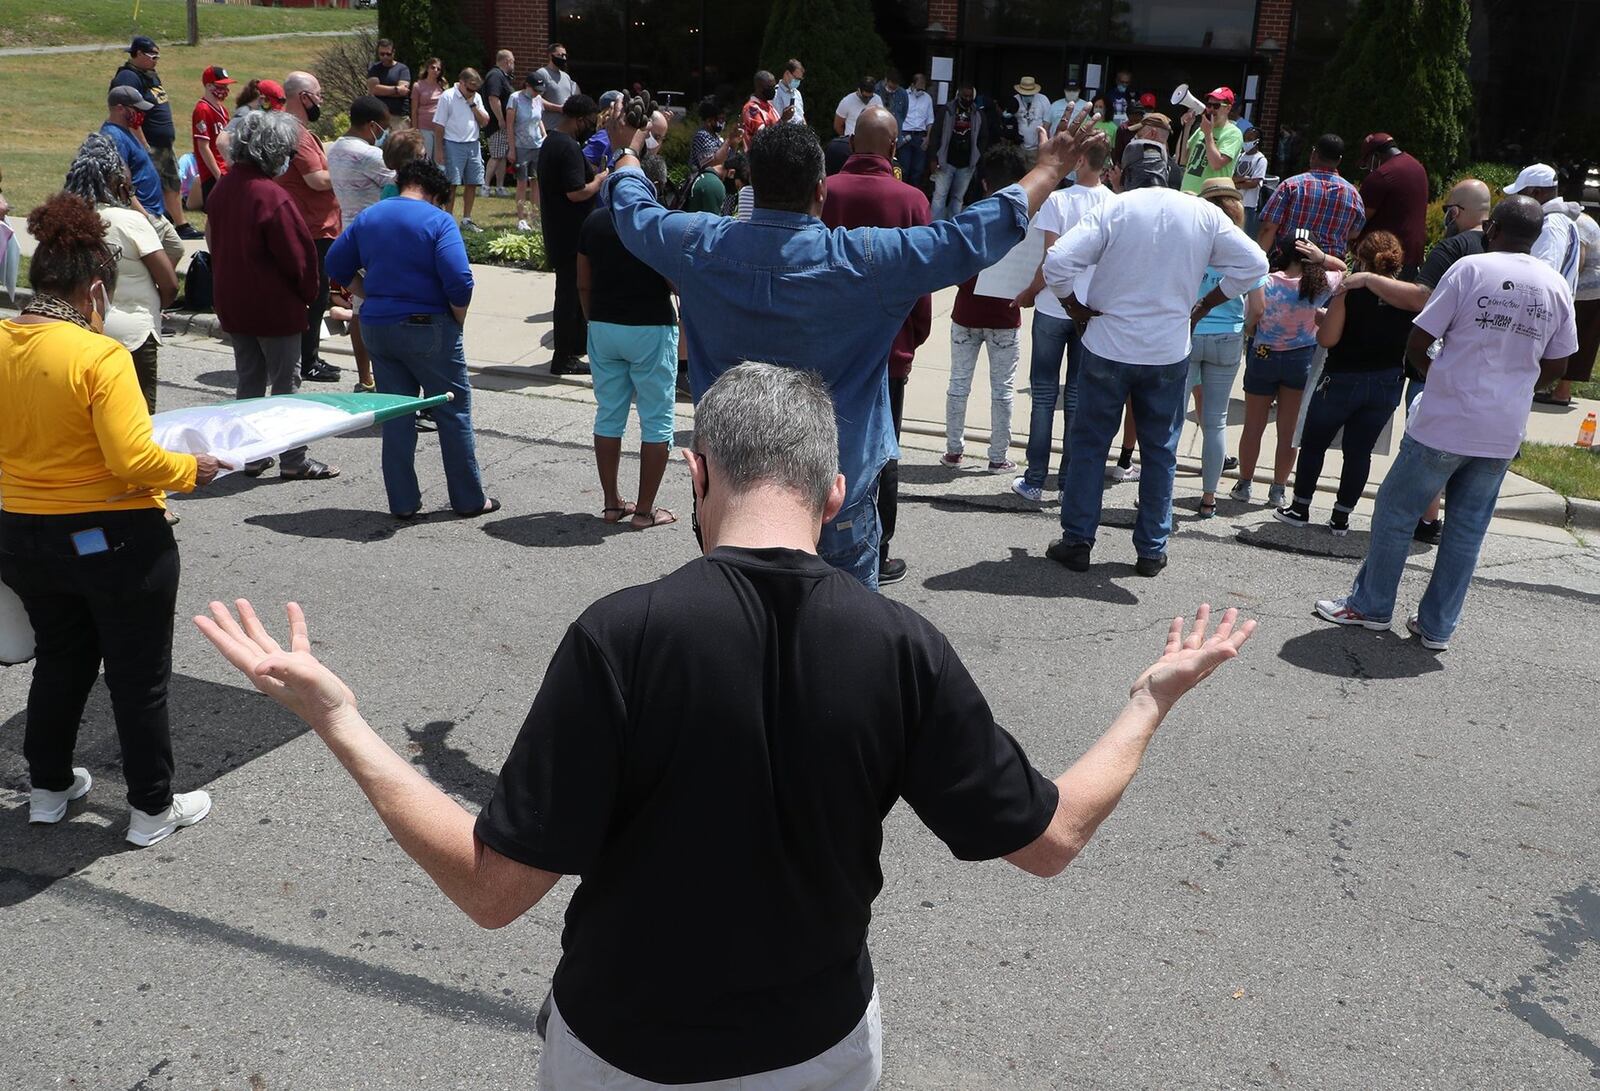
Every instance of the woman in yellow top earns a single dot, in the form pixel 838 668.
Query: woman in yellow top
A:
pixel 83 541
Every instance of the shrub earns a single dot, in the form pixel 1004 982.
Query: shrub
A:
pixel 425 28
pixel 342 70
pixel 1497 175
pixel 517 249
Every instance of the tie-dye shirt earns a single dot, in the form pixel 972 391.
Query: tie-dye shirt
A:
pixel 1290 322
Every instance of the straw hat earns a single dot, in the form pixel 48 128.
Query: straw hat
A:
pixel 1028 86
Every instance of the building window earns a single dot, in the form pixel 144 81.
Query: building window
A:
pixel 1218 24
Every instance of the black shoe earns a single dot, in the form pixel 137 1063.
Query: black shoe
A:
pixel 1074 556
pixel 1150 566
pixel 1293 515
pixel 190 231
pixel 891 571
pixel 1339 524
pixel 258 467
pixel 1429 533
pixel 568 365
pixel 320 372
pixel 1229 463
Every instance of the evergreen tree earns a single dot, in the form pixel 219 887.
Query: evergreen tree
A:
pixel 430 28
pixel 835 40
pixel 1402 69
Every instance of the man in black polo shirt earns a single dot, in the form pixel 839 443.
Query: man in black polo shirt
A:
pixel 714 753
pixel 157 130
pixel 390 81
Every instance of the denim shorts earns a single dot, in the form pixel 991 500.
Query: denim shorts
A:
pixel 463 162
pixel 1265 370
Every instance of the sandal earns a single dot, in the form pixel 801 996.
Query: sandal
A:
pixel 1543 397
pixel 311 471
pixel 658 517
pixel 1208 511
pixel 489 508
pixel 627 508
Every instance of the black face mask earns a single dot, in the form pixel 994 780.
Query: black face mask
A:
pixel 766 93
pixel 313 111
pixel 560 62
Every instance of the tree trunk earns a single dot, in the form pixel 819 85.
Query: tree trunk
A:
pixel 194 21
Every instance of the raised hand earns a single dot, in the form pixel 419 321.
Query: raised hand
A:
pixel 294 678
pixel 1190 657
pixel 1072 140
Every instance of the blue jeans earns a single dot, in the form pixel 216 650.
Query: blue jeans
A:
pixel 1471 488
pixel 949 191
pixel 1053 338
pixel 913 159
pixel 1104 387
pixel 406 358
pixel 1361 403
pixel 1213 363
pixel 850 541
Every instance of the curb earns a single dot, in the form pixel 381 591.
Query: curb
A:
pixel 1583 514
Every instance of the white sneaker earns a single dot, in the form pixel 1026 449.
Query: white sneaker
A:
pixel 1240 492
pixel 468 225
pixel 46 807
pixel 1123 473
pixel 1427 642
pixel 186 809
pixel 1276 497
pixel 522 225
pixel 1020 486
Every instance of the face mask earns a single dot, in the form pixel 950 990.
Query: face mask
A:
pixel 282 170
pixel 382 138
pixel 651 143
pixel 794 83
pixel 99 306
pixel 1070 96
pixel 313 111
pixel 561 62
pixel 1250 145
pixel 766 93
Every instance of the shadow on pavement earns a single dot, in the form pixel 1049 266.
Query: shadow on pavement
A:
pixel 555 529
pixel 1313 541
pixel 224 380
pixel 345 524
pixel 929 473
pixel 1359 653
pixel 1035 574
pixel 448 767
pixel 543 316
pixel 215 730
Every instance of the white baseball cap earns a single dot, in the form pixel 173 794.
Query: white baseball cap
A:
pixel 1537 176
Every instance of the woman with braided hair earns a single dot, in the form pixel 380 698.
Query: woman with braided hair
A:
pixel 82 539
pixel 147 275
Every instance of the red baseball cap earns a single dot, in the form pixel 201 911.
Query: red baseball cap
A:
pixel 272 91
pixel 1148 100
pixel 1222 94
pixel 216 74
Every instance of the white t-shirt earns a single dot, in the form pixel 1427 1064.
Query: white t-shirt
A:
pixel 1499 316
pixel 1033 111
pixel 1558 245
pixel 528 121
pixel 136 306
pixel 1589 271
pixel 850 108
pixel 358 175
pixel 1059 214
pixel 1251 165
pixel 455 114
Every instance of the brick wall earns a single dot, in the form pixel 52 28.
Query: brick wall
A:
pixel 947 13
pixel 522 26
pixel 1273 20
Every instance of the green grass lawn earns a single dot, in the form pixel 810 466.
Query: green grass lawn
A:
pixel 1586 390
pixel 1570 471
pixel 68 22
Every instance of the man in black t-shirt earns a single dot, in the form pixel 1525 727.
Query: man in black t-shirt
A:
pixel 714 753
pixel 390 81
pixel 157 129
pixel 497 92
pixel 567 187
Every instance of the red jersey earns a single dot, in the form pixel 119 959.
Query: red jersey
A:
pixel 209 120
pixel 757 116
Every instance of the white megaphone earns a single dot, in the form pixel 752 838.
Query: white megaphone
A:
pixel 1183 97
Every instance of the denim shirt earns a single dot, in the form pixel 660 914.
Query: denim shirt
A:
pixel 785 289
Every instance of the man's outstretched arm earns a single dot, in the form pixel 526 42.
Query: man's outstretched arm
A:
pixel 433 829
pixel 1092 787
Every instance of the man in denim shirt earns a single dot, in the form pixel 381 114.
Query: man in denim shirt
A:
pixel 785 289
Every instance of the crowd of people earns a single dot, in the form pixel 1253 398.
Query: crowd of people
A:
pixel 790 283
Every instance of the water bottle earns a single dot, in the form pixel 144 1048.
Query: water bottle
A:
pixel 1586 432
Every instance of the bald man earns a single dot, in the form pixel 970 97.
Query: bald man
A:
pixel 866 193
pixel 1466 208
pixel 311 186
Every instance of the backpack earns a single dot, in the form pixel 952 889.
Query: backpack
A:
pixel 197 283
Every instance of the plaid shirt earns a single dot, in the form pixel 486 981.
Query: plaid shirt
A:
pixel 1322 202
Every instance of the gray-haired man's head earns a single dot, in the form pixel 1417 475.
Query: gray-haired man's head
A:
pixel 761 424
pixel 264 138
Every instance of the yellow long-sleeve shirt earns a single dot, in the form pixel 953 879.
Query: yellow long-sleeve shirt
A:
pixel 74 430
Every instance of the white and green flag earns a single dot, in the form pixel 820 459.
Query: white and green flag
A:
pixel 255 428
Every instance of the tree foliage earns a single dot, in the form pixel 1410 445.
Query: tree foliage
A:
pixel 430 28
pixel 835 40
pixel 1402 69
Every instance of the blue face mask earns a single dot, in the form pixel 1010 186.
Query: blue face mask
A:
pixel 383 138
pixel 794 83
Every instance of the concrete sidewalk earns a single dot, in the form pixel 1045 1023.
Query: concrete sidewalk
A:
pixel 509 335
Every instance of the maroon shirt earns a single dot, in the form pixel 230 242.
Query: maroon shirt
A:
pixel 263 262
pixel 865 193
pixel 1396 196
pixel 984 312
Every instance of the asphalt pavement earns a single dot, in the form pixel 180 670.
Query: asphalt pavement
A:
pixel 1347 862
